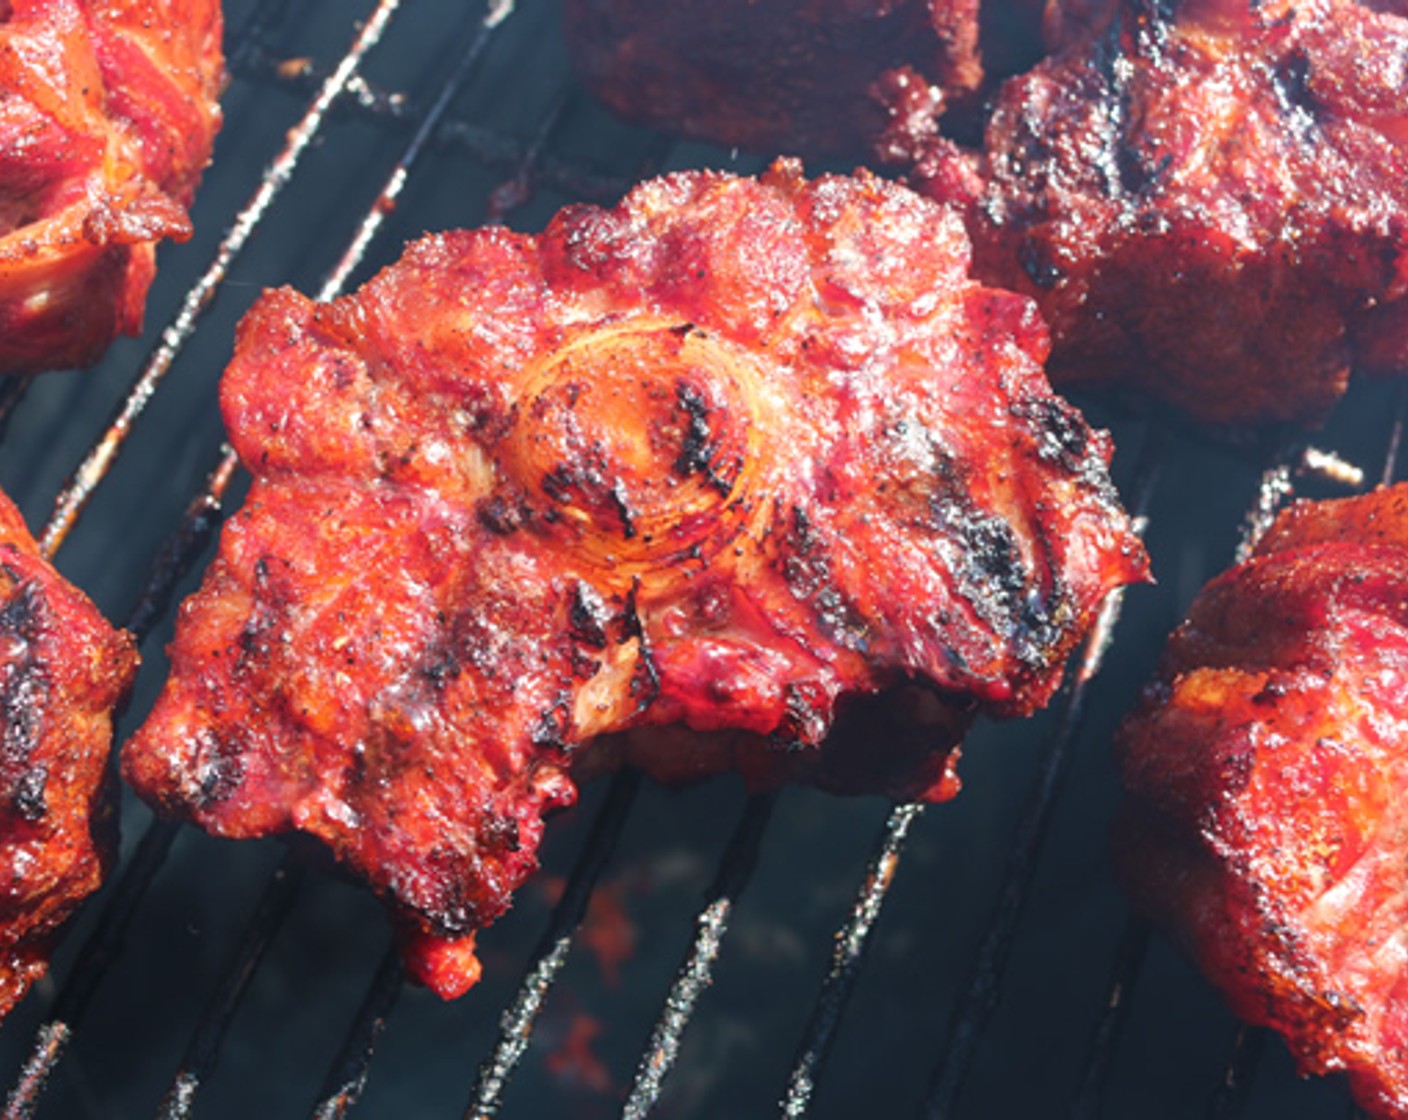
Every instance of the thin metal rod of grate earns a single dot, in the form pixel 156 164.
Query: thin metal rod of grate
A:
pixel 516 1023
pixel 846 960
pixel 1129 961
pixel 78 490
pixel 711 925
pixel 204 1048
pixel 974 1008
pixel 1395 438
pixel 389 108
pixel 11 394
pixel 348 1076
pixel 1229 1099
pixel 102 947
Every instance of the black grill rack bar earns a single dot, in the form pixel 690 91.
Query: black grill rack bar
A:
pixel 1229 1097
pixel 348 1075
pixel 847 957
pixel 12 392
pixel 1393 453
pixel 204 1048
pixel 1129 959
pixel 711 925
pixel 516 1023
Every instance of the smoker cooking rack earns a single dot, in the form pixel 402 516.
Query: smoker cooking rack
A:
pixel 523 172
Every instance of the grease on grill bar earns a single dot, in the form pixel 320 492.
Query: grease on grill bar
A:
pixel 846 959
pixel 520 1016
pixel 711 924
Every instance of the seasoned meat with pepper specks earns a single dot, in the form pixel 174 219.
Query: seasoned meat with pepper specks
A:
pixel 62 671
pixel 1208 199
pixel 719 458
pixel 1266 824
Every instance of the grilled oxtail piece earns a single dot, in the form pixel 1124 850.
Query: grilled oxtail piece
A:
pixel 718 458
pixel 1265 824
pixel 62 671
pixel 861 79
pixel 107 115
pixel 1209 199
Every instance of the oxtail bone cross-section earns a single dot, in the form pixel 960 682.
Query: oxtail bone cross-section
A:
pixel 715 459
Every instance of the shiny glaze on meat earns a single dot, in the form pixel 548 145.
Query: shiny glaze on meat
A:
pixel 1208 199
pixel 717 459
pixel 107 115
pixel 62 670
pixel 1266 824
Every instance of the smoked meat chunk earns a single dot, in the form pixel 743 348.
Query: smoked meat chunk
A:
pixel 62 671
pixel 107 116
pixel 716 459
pixel 1266 823
pixel 1209 200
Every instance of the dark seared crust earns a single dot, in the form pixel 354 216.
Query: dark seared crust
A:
pixel 861 79
pixel 62 670
pixel 1208 199
pixel 107 115
pixel 717 458
pixel 1266 824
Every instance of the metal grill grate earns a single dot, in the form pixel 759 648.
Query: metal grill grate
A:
pixel 999 920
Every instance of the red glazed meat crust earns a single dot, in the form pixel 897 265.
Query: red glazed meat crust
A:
pixel 1208 200
pixel 1266 825
pixel 107 119
pixel 718 459
pixel 62 671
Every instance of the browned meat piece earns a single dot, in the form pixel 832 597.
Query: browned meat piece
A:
pixel 107 115
pixel 864 79
pixel 62 671
pixel 1208 200
pixel 721 458
pixel 1267 823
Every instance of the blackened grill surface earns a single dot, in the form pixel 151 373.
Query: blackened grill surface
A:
pixel 518 109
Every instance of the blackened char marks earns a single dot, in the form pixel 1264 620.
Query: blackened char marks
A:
pixel 807 570
pixel 24 694
pixel 1200 197
pixel 671 516
pixel 62 671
